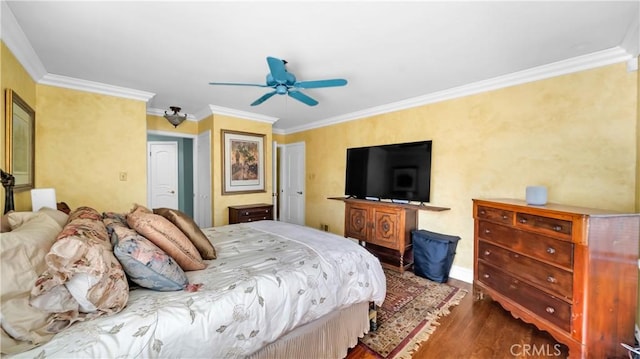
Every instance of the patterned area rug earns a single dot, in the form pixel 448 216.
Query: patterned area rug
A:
pixel 409 314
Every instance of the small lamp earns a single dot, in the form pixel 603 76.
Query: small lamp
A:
pixel 175 118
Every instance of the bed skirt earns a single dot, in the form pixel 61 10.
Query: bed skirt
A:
pixel 328 337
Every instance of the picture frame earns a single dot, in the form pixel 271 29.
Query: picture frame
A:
pixel 20 121
pixel 243 162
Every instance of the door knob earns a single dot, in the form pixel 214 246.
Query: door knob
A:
pixel 172 192
pixel 299 192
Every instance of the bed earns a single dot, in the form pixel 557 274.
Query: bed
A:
pixel 275 290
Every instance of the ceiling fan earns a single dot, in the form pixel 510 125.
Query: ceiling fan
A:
pixel 283 82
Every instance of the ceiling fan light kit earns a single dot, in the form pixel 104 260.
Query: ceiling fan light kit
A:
pixel 175 118
pixel 284 83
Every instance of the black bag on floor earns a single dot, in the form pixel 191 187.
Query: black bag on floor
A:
pixel 433 254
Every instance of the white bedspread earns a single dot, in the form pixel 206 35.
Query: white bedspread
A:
pixel 269 278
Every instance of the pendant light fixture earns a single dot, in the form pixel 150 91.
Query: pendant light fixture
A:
pixel 175 118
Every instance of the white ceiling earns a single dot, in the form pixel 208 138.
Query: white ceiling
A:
pixel 394 54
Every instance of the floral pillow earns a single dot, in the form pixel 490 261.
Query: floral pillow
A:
pixel 145 264
pixel 82 248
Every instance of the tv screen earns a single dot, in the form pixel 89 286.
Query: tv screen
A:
pixel 398 172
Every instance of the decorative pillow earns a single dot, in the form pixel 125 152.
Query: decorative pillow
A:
pixel 145 264
pixel 15 219
pixel 140 208
pixel 190 229
pixel 22 258
pixel 82 247
pixel 168 237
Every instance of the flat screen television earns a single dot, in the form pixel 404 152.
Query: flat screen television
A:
pixel 399 172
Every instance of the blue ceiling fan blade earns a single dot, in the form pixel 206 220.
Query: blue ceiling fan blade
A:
pixel 302 98
pixel 264 98
pixel 320 83
pixel 236 84
pixel 278 72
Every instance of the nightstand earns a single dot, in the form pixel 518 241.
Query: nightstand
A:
pixel 250 213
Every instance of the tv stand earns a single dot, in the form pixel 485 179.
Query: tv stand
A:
pixel 384 228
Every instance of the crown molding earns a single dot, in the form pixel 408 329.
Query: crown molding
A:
pixel 218 110
pixel 597 59
pixel 95 87
pixel 15 39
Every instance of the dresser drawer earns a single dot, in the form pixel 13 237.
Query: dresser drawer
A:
pixel 532 244
pixel 553 280
pixel 495 214
pixel 545 224
pixel 540 303
pixel 250 213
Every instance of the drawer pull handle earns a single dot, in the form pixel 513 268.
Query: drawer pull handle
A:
pixel 487 252
pixel 505 217
pixel 482 212
pixel 515 255
pixel 486 276
pixel 551 250
pixel 523 220
pixel 557 228
pixel 552 279
pixel 486 231
pixel 550 310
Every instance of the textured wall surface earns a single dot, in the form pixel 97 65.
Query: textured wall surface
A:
pixel 83 142
pixel 575 134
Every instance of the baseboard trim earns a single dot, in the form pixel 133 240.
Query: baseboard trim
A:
pixel 460 273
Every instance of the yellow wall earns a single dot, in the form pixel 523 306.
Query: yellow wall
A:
pixel 638 146
pixel 215 124
pixel 13 76
pixel 83 141
pixel 575 134
pixel 222 202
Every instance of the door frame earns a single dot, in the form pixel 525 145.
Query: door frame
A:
pixel 194 138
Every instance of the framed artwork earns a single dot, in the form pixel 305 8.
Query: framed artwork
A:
pixel 19 141
pixel 242 162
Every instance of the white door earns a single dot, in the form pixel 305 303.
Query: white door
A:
pixel 292 177
pixel 274 180
pixel 163 174
pixel 202 204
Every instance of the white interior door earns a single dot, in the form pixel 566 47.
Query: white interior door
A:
pixel 292 191
pixel 202 204
pixel 275 180
pixel 163 174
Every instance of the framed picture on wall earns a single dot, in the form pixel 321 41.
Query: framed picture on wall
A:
pixel 242 162
pixel 19 140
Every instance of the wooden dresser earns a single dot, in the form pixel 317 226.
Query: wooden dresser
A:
pixel 385 228
pixel 570 271
pixel 250 213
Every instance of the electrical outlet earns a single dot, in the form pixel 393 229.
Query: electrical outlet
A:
pixel 123 176
pixel 324 227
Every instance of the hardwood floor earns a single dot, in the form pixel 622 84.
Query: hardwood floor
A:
pixel 481 329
